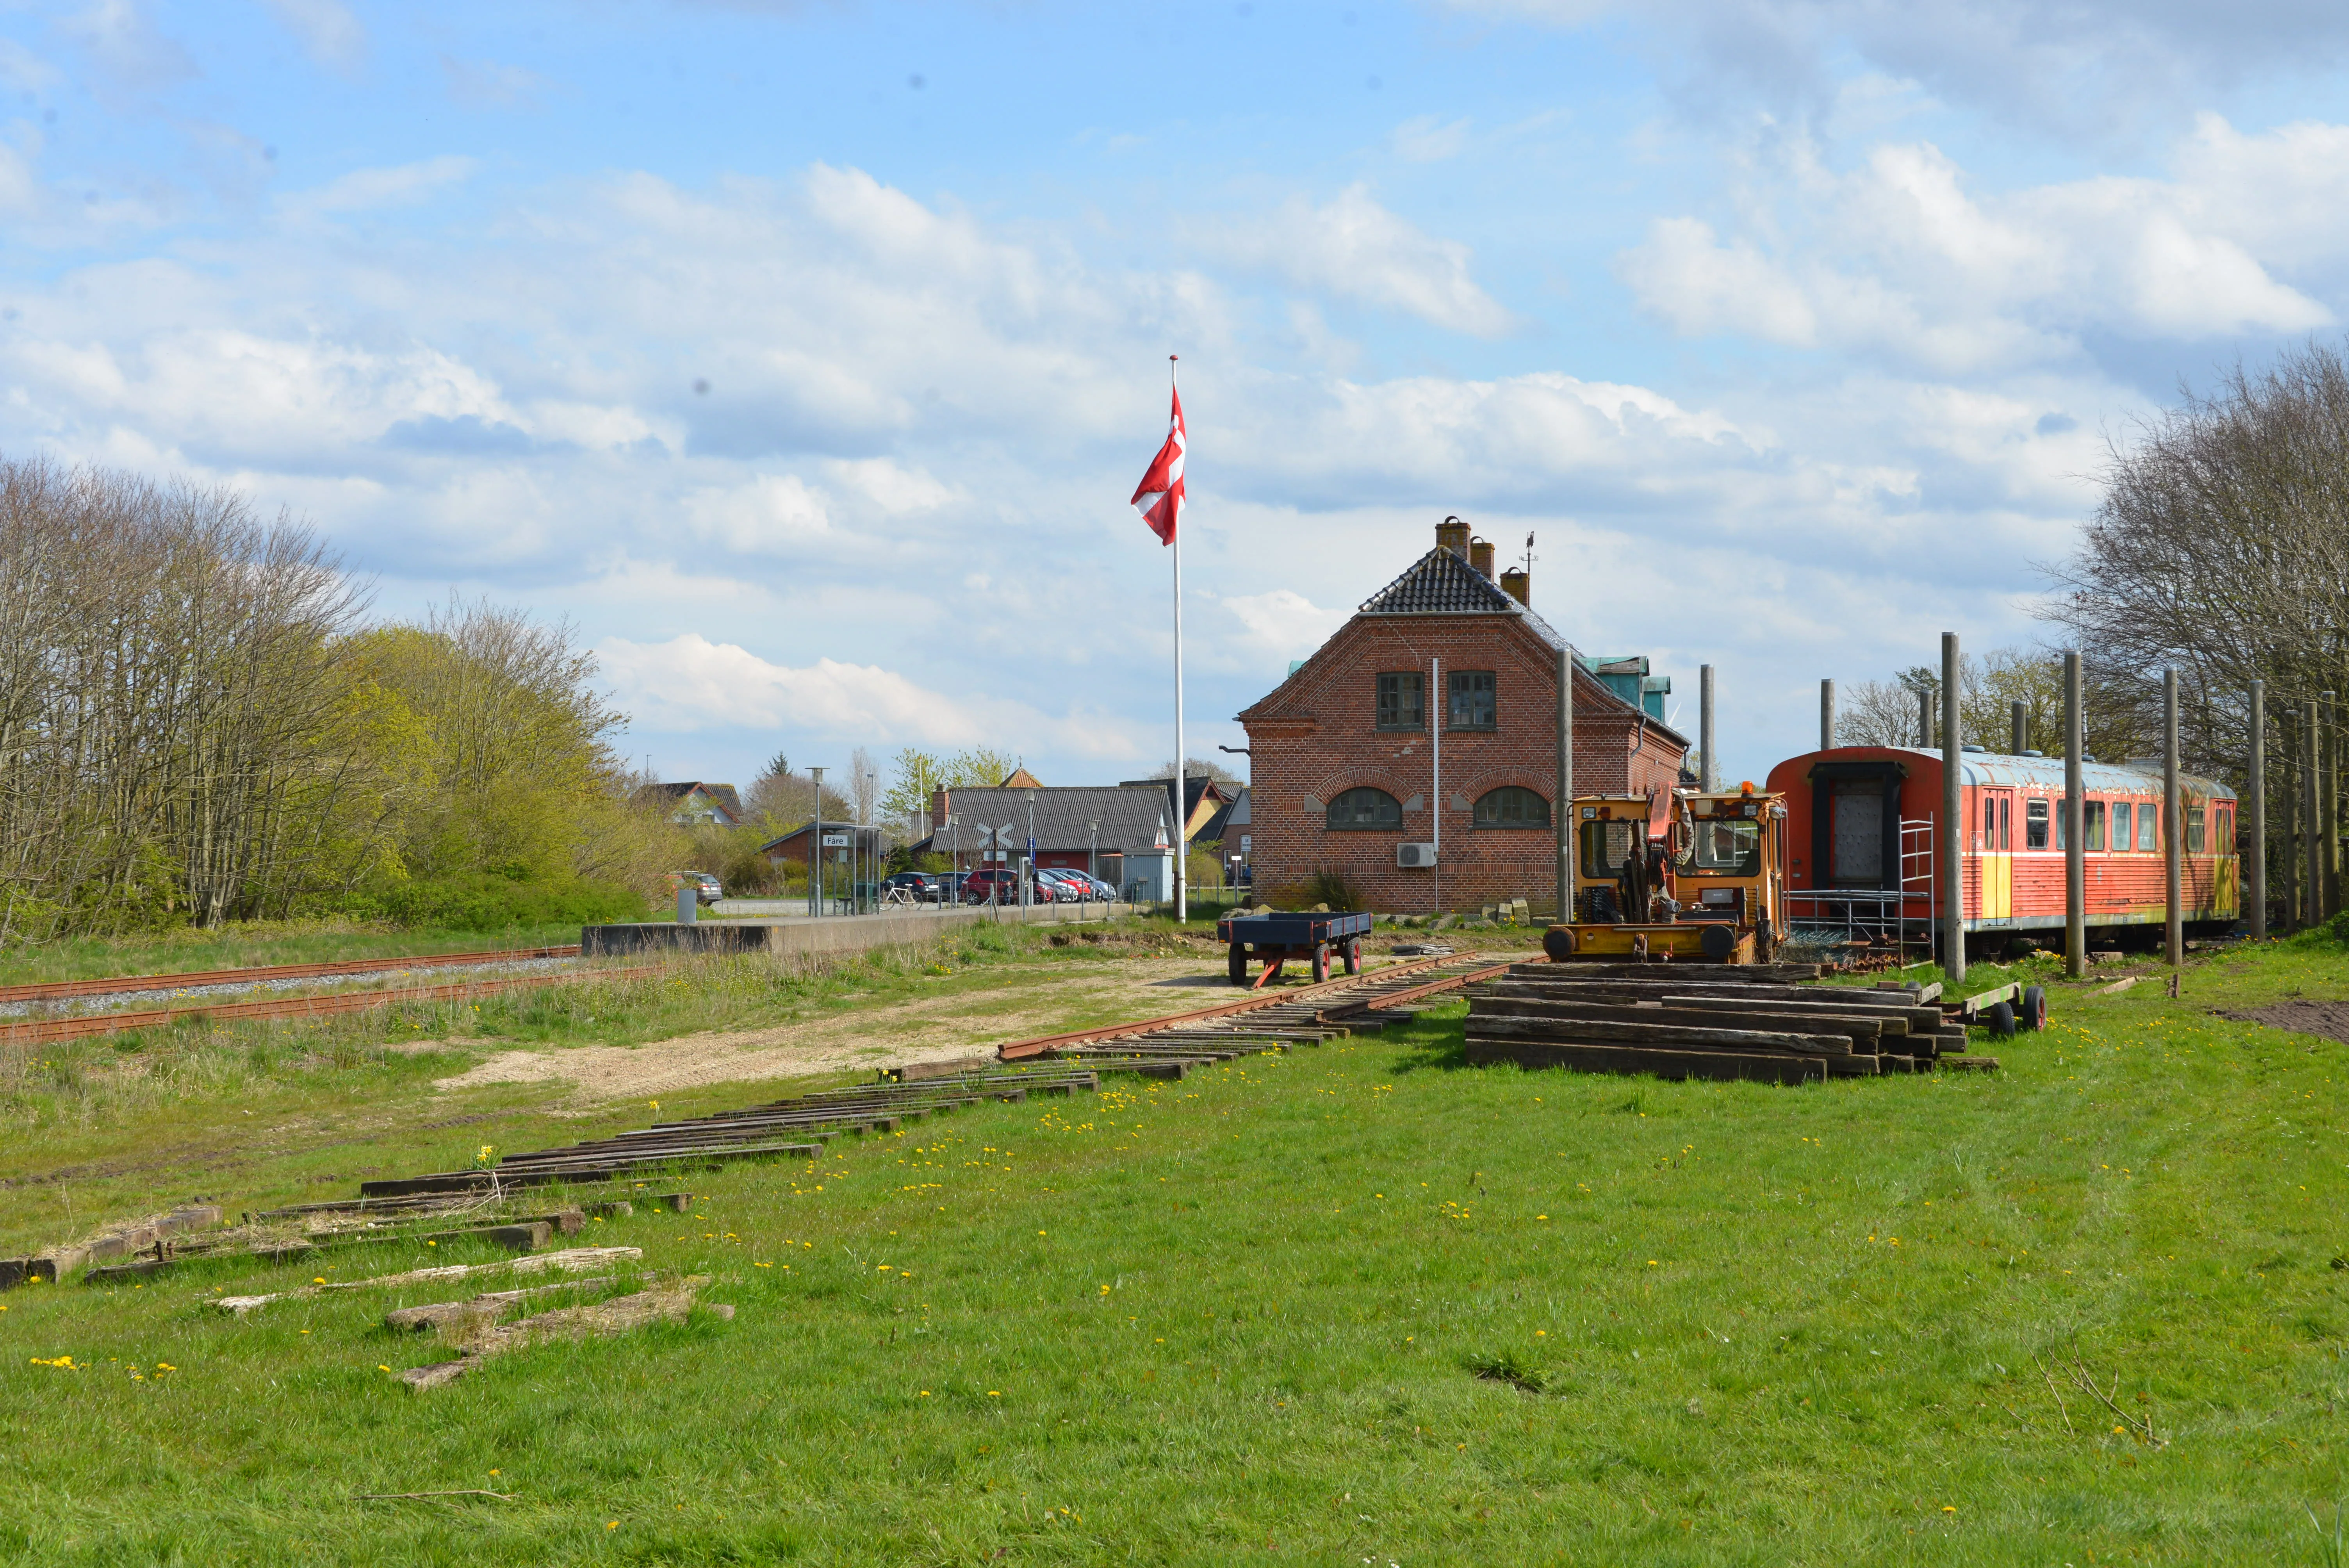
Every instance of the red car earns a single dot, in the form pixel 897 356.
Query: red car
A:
pixel 997 885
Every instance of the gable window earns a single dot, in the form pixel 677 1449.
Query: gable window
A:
pixel 1472 699
pixel 2034 824
pixel 1511 807
pixel 1366 808
pixel 1402 700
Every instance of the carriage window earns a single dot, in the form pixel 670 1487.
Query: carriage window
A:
pixel 2145 820
pixel 2034 824
pixel 2122 822
pixel 1402 704
pixel 1511 807
pixel 1606 846
pixel 2094 810
pixel 1365 807
pixel 2194 832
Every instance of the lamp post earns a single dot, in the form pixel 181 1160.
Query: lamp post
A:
pixel 1093 854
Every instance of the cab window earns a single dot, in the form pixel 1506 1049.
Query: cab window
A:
pixel 1723 847
pixel 1607 848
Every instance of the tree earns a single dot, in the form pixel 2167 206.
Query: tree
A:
pixel 914 780
pixel 1198 768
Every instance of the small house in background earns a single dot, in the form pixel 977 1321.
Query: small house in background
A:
pixel 694 803
pixel 791 850
pixel 1203 801
pixel 1078 826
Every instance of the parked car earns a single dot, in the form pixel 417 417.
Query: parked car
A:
pixel 704 887
pixel 1095 887
pixel 1068 886
pixel 993 885
pixel 926 887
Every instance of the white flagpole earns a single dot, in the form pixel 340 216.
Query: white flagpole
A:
pixel 1182 822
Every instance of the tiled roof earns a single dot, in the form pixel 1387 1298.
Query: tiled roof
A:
pixel 1441 582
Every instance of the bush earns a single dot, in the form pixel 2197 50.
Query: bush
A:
pixel 481 901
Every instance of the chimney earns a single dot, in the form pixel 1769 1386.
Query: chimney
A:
pixel 937 810
pixel 1518 585
pixel 1480 555
pixel 1452 535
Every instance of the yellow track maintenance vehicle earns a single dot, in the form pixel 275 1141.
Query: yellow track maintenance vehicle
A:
pixel 1708 888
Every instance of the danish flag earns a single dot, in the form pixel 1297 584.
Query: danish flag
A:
pixel 1159 498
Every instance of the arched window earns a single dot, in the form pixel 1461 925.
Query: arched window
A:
pixel 1511 807
pixel 1366 808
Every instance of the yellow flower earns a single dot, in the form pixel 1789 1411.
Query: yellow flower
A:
pixel 381 1367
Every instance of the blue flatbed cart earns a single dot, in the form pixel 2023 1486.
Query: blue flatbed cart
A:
pixel 1276 938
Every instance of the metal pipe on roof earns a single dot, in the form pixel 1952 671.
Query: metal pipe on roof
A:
pixel 1925 720
pixel 2173 823
pixel 1953 865
pixel 1826 715
pixel 2021 724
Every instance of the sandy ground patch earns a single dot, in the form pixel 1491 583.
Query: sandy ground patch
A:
pixel 931 1028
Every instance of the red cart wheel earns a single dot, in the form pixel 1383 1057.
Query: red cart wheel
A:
pixel 1353 956
pixel 1320 962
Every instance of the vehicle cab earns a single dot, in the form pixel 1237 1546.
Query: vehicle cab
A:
pixel 1728 860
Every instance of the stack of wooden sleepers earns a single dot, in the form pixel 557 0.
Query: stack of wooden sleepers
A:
pixel 792 1128
pixel 1712 1021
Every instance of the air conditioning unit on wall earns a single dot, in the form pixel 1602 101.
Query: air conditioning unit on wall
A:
pixel 1415 856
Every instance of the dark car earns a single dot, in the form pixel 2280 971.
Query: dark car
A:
pixel 923 887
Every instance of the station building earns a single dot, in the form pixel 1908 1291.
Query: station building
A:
pixel 1343 752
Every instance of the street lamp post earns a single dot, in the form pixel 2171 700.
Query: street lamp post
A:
pixel 815 849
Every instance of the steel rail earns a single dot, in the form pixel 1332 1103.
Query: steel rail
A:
pixel 57 990
pixel 49 1029
pixel 1019 1050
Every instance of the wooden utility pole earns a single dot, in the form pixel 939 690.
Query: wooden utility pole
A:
pixel 2257 791
pixel 2173 823
pixel 2075 859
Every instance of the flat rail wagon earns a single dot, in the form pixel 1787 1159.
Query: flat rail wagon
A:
pixel 1274 939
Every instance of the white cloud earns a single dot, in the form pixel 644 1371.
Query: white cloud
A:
pixel 365 189
pixel 889 485
pixel 773 514
pixel 1354 247
pixel 689 684
pixel 1425 139
pixel 1902 257
pixel 1281 624
pixel 486 84
pixel 330 34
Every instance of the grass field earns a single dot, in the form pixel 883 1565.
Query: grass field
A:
pixel 1352 1305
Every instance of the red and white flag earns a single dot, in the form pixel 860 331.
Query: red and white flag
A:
pixel 1159 498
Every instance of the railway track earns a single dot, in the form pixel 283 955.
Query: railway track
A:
pixel 262 975
pixel 45 1030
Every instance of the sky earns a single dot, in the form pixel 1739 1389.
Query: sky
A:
pixel 802 356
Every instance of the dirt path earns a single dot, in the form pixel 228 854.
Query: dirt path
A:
pixel 935 1028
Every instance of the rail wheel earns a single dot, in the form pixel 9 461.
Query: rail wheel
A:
pixel 1320 962
pixel 1236 964
pixel 2033 1014
pixel 1559 943
pixel 1353 956
pixel 2001 1020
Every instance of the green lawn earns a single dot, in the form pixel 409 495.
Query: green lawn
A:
pixel 1240 1320
pixel 252 942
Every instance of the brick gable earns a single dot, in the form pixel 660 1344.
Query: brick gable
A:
pixel 1316 736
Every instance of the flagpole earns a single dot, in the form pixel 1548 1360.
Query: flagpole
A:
pixel 1182 822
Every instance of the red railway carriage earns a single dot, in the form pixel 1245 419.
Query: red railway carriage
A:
pixel 1861 832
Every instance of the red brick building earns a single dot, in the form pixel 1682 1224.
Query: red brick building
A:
pixel 1343 765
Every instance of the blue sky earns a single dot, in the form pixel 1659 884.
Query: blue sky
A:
pixel 803 355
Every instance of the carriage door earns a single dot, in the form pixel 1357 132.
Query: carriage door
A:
pixel 1993 838
pixel 1858 828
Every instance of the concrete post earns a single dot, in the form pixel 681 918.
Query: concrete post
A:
pixel 1953 864
pixel 1709 779
pixel 2313 899
pixel 1561 814
pixel 2328 797
pixel 1925 720
pixel 815 851
pixel 2173 825
pixel 2257 790
pixel 2076 852
pixel 2020 724
pixel 1826 715
pixel 2288 842
pixel 689 903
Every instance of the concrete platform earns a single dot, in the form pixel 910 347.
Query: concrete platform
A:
pixel 834 933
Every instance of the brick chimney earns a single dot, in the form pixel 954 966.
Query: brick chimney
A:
pixel 1518 586
pixel 939 810
pixel 1480 555
pixel 1452 535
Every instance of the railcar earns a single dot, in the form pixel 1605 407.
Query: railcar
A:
pixel 1862 826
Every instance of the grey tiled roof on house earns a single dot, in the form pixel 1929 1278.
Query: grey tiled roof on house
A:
pixel 1130 819
pixel 1442 583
